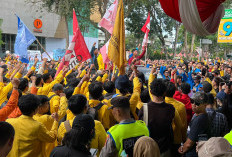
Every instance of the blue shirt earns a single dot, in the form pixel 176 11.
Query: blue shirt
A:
pixel 197 70
pixel 198 86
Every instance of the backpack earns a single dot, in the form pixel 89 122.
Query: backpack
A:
pixel 93 111
pixel 145 113
pixel 50 98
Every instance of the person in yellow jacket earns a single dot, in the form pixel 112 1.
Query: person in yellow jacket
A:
pixel 96 97
pixel 78 105
pixel 47 121
pixel 54 97
pixel 122 85
pixel 98 61
pixel 179 124
pixel 49 82
pixel 30 134
pixel 122 137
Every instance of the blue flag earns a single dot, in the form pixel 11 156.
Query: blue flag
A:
pixel 23 40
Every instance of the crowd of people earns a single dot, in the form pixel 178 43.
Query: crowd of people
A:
pixel 184 108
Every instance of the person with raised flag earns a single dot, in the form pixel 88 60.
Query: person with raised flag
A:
pixel 134 58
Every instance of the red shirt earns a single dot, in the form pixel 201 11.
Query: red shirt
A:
pixel 185 99
pixel 139 57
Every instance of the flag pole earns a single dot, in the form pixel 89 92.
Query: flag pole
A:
pixel 43 49
pixel 146 57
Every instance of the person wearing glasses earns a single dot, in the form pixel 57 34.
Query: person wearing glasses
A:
pixel 198 126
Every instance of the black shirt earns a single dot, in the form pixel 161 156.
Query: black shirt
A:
pixel 199 125
pixel 64 151
pixel 160 118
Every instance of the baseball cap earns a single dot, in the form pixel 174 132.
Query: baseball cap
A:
pixel 199 98
pixel 215 146
pixel 122 82
pixel 83 121
pixel 120 101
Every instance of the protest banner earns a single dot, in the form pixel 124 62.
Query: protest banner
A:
pixel 33 53
pixel 58 53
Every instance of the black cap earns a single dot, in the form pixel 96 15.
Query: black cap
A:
pixel 122 82
pixel 120 101
pixel 83 121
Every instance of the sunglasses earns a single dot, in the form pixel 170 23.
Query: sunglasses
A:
pixel 194 102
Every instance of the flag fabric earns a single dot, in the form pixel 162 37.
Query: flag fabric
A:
pixel 107 22
pixel 77 50
pixel 117 51
pixel 146 30
pixel 147 24
pixel 23 40
pixel 108 19
pixel 104 52
pixel 75 22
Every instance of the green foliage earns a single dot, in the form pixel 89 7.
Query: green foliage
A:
pixel 161 24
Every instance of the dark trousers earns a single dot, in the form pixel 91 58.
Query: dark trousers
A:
pixel 174 150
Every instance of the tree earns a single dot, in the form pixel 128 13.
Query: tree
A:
pixel 161 24
pixel 177 28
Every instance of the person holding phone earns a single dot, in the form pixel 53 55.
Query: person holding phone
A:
pixel 199 125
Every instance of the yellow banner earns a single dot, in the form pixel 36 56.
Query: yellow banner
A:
pixel 225 31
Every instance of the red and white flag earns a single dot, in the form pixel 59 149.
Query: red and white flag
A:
pixel 104 52
pixel 108 19
pixel 77 50
pixel 107 22
pixel 146 30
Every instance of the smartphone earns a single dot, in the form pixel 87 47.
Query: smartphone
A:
pixel 202 137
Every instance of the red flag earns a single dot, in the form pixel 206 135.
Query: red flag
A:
pixel 147 24
pixel 146 30
pixel 75 22
pixel 77 50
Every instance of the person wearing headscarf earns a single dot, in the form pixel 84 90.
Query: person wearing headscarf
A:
pixel 146 147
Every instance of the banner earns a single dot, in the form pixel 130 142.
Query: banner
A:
pixel 33 53
pixel 225 28
pixel 58 53
pixel 44 55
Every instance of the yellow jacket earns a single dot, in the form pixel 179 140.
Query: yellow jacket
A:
pixel 98 141
pixel 101 65
pixel 103 113
pixel 47 121
pixel 213 90
pixel 180 108
pixel 47 87
pixel 29 136
pixel 58 104
pixel 5 90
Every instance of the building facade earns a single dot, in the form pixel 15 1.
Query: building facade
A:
pixel 49 28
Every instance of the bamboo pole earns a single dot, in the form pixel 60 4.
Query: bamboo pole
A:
pixel 43 49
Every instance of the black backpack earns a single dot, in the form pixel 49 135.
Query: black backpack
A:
pixel 93 111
